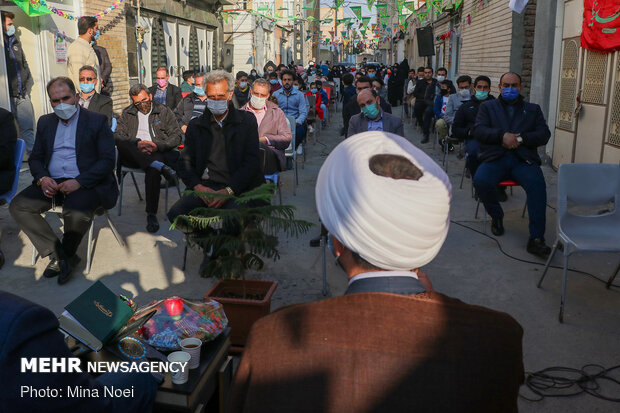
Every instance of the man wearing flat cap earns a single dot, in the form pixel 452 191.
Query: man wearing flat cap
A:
pixel 390 343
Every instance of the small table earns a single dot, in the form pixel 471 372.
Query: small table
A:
pixel 197 395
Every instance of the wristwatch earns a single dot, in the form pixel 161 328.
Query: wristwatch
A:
pixel 519 139
pixel 230 191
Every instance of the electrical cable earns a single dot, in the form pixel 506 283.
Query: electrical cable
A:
pixel 532 262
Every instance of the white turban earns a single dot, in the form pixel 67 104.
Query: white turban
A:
pixel 394 224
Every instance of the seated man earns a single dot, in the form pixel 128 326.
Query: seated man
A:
pixel 509 131
pixel 165 92
pixel 465 119
pixel 349 89
pixel 192 105
pixel 187 86
pixel 379 86
pixel 372 118
pixel 89 98
pixel 431 92
pixel 221 152
pixel 293 103
pixel 462 95
pixel 352 108
pixel 274 132
pixel 242 90
pixel 439 109
pixel 8 139
pixel 391 343
pixel 324 100
pixel 72 164
pixel 147 137
pixel 319 107
pixel 275 83
pixel 29 331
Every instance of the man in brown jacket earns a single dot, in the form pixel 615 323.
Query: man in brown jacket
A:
pixel 390 344
pixel 274 131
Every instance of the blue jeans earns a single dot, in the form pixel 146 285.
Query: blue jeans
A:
pixel 300 135
pixel 529 176
pixel 144 391
pixel 24 114
pixel 473 148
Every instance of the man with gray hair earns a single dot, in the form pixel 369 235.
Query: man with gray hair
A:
pixel 221 151
pixel 147 137
pixel 391 343
pixel 192 105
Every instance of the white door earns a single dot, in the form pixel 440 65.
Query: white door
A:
pixel 201 35
pixel 170 34
pixel 183 49
pixel 146 50
pixel 209 50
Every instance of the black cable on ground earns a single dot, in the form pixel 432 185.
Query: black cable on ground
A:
pixel 532 262
pixel 567 382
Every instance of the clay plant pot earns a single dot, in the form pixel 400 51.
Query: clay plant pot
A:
pixel 242 313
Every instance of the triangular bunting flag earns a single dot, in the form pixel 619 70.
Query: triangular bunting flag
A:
pixel 224 15
pixel 339 3
pixel 370 3
pixel 399 5
pixel 365 21
pixel 357 10
pixel 411 5
pixel 32 8
pixel 382 9
pixel 384 19
pixel 310 6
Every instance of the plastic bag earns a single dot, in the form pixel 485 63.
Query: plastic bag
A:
pixel 178 318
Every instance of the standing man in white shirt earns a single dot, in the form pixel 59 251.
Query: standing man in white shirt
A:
pixel 81 53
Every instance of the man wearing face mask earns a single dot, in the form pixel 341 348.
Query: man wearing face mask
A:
pixel 242 90
pixel 187 86
pixel 439 109
pixel 274 83
pixel 462 95
pixel 432 90
pixel 390 343
pixel 293 103
pixel 89 98
pixel 193 105
pixel 274 133
pixel 510 130
pixel 352 108
pixel 20 81
pixel 81 53
pixel 72 164
pixel 165 92
pixel 147 136
pixel 372 118
pixel 221 153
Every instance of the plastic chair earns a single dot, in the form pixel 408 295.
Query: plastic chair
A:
pixel 20 148
pixel 506 183
pixel 290 152
pixel 586 185
pixel 124 170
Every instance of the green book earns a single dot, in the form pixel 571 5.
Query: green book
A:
pixel 99 315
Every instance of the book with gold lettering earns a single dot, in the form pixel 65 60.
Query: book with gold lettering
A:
pixel 96 316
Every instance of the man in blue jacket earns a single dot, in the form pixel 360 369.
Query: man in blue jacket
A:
pixel 510 130
pixel 293 103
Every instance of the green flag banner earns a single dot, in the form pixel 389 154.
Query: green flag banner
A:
pixel 339 3
pixel 365 21
pixel 357 10
pixel 225 16
pixel 32 8
pixel 382 9
pixel 384 19
pixel 457 4
pixel 423 16
pixel 399 5
pixel 310 6
pixel 327 21
pixel 438 5
pixel 411 5
pixel 402 18
pixel 370 3
pixel 343 33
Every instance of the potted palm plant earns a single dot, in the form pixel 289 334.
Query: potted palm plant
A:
pixel 239 240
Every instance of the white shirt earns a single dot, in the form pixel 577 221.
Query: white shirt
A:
pixel 143 127
pixel 376 274
pixel 63 163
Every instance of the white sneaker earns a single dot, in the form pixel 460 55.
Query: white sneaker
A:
pixel 310 129
pixel 300 150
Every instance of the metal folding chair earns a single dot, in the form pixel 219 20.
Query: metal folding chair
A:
pixel 586 185
pixel 20 148
pixel 291 152
pixel 506 183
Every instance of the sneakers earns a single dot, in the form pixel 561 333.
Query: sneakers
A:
pixel 310 129
pixel 537 246
pixel 497 226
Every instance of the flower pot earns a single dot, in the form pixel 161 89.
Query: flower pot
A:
pixel 242 313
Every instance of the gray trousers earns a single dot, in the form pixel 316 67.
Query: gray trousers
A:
pixel 24 114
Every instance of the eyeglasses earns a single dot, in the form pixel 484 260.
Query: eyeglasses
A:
pixel 87 79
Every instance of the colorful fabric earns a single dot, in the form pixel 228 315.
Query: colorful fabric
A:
pixel 601 26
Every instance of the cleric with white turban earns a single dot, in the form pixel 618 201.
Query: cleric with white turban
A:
pixel 385 201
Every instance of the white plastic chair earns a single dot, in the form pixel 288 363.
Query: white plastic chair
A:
pixel 290 152
pixel 586 185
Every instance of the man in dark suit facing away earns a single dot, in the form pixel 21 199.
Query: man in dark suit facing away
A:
pixel 89 98
pixel 72 164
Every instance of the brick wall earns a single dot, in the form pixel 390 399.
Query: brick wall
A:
pixel 529 22
pixel 114 38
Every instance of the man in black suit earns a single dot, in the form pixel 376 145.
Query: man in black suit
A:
pixel 352 108
pixel 89 98
pixel 72 164
pixel 221 153
pixel 8 139
pixel 164 92
pixel 29 331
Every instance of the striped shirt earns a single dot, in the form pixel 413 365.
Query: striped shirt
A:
pixel 199 107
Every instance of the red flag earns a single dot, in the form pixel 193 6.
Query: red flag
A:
pixel 601 26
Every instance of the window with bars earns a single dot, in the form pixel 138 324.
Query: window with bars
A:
pixel 568 86
pixel 595 77
pixel 194 58
pixel 158 46
pixel 614 111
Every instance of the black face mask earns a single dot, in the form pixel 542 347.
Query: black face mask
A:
pixel 444 92
pixel 144 107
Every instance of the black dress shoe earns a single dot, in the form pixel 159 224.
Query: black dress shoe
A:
pixel 168 173
pixel 52 270
pixel 152 225
pixel 538 247
pixel 497 226
pixel 315 242
pixel 66 266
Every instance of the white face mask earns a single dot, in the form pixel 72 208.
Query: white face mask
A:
pixel 64 110
pixel 257 103
pixel 441 78
pixel 464 94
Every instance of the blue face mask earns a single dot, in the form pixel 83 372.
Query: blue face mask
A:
pixel 370 111
pixel 10 31
pixel 371 75
pixel 482 94
pixel 217 107
pixel 295 87
pixel 314 90
pixel 97 35
pixel 199 91
pixel 87 87
pixel 273 81
pixel 510 93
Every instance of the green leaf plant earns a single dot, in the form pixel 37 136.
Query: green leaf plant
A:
pixel 239 239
